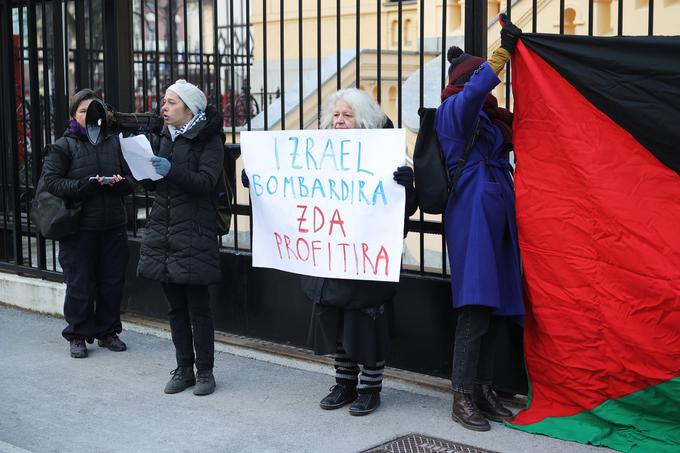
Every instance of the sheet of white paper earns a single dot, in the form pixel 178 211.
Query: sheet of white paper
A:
pixel 137 153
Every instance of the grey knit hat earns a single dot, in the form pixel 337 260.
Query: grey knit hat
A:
pixel 190 94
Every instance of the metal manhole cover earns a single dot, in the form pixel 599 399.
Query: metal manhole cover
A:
pixel 420 443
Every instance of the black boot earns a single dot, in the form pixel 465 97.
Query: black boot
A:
pixel 466 413
pixel 78 348
pixel 205 383
pixel 365 404
pixel 340 395
pixel 182 378
pixel 489 405
pixel 112 342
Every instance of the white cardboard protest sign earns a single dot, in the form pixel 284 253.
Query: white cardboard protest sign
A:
pixel 324 202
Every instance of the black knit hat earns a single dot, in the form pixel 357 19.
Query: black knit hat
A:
pixel 462 65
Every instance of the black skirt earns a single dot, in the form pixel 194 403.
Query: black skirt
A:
pixel 363 332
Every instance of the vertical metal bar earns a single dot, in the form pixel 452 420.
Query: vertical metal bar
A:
pixel 508 8
pixel 36 120
pixel 283 67
pixel 400 48
pixel 620 18
pixel 145 75
pixel 60 96
pixel 378 47
pixel 81 49
pixel 590 17
pixel 248 56
pixel 157 77
pixel 248 122
pixel 357 82
pixel 216 59
pixel 534 15
pixel 24 138
pixel 5 64
pixel 118 54
pixel 300 69
pixel 46 74
pixel 265 102
pixel 10 125
pixel 475 27
pixel 90 48
pixel 421 102
pixel 444 48
pixel 171 39
pixel 337 43
pixel 67 50
pixel 562 17
pixel 232 37
pixel 186 38
pixel 200 41
pixel 318 64
pixel 444 81
pixel 421 55
pixel 232 89
pixel 650 23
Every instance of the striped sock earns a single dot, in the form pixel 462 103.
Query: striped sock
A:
pixel 346 371
pixel 371 378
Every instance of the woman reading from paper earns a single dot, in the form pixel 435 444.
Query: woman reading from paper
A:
pixel 93 259
pixel 480 226
pixel 349 315
pixel 180 247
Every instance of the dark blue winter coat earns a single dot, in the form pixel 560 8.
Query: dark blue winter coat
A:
pixel 480 225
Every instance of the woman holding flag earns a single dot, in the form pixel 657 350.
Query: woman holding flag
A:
pixel 480 225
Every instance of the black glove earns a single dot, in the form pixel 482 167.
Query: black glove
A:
pixel 244 179
pixel 87 187
pixel 404 176
pixel 510 33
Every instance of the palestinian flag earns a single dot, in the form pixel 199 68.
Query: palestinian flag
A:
pixel 597 140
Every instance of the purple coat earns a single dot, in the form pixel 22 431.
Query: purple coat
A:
pixel 479 223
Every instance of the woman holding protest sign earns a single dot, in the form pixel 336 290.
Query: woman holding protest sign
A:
pixel 480 226
pixel 180 247
pixel 95 257
pixel 349 315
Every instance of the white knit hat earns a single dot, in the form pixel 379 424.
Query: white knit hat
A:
pixel 190 94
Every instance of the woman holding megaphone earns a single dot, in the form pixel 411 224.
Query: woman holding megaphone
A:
pixel 179 246
pixel 95 257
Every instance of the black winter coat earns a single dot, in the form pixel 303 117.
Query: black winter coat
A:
pixel 179 244
pixel 69 164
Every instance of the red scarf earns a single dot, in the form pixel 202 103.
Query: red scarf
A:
pixel 499 116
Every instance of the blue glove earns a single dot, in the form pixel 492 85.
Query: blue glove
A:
pixel 161 165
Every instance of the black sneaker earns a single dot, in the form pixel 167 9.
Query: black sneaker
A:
pixel 182 378
pixel 112 342
pixel 205 383
pixel 365 404
pixel 339 396
pixel 78 348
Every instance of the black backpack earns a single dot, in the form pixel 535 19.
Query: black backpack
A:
pixel 434 184
pixel 223 195
pixel 54 217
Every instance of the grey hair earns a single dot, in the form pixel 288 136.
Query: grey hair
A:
pixel 367 113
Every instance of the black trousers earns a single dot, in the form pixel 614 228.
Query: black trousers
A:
pixel 191 325
pixel 474 349
pixel 94 265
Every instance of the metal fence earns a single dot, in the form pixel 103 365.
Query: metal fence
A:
pixel 130 50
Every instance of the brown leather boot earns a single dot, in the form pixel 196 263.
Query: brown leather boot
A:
pixel 489 405
pixel 466 413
